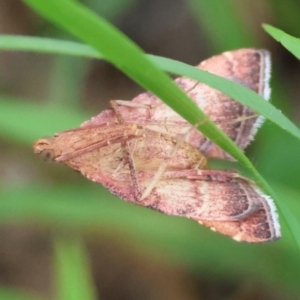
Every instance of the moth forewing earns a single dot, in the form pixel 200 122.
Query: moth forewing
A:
pixel 249 67
pixel 235 208
pixel 257 228
pixel 223 201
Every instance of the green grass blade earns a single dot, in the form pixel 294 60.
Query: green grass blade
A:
pixel 47 45
pixel 232 89
pixel 289 42
pixel 124 54
pixel 73 278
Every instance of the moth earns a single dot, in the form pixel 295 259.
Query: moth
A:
pixel 145 153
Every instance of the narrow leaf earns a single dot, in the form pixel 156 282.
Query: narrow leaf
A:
pixel 232 89
pixel 124 54
pixel 73 278
pixel 289 42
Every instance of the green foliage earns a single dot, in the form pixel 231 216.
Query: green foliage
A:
pixel 289 42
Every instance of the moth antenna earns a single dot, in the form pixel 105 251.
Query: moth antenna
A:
pixel 199 163
pixel 148 107
pixel 165 124
pixel 193 87
pixel 155 179
pixel 243 119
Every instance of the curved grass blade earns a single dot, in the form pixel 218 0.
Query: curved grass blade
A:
pixel 47 45
pixel 289 42
pixel 125 55
pixel 232 89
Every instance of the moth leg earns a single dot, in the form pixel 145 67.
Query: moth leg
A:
pixel 159 173
pixel 128 157
pixel 192 88
pixel 161 169
pixel 140 196
pixel 133 104
pixel 235 190
pixel 237 120
pixel 147 107
pixel 243 119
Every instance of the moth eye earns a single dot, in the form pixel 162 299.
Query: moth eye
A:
pixel 47 155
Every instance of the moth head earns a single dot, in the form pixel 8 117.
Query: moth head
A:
pixel 44 148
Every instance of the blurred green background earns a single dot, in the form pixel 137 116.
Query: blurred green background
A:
pixel 47 211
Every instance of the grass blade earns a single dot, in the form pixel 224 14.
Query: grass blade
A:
pixel 73 278
pixel 232 89
pixel 125 55
pixel 289 42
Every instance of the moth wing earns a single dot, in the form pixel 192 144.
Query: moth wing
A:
pixel 249 67
pixel 196 194
pixel 258 227
pixel 205 194
pixel 223 201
